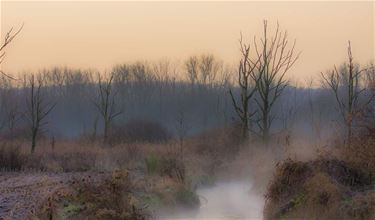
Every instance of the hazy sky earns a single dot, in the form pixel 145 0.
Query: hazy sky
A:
pixel 99 34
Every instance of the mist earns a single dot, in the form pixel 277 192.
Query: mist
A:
pixel 226 200
pixel 187 110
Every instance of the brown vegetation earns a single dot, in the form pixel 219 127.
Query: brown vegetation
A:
pixel 145 178
pixel 336 187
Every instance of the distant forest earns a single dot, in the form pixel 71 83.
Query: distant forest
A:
pixel 195 101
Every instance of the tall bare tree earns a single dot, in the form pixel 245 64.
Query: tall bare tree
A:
pixel 9 36
pixel 37 108
pixel 106 103
pixel 347 80
pixel 276 58
pixel 247 81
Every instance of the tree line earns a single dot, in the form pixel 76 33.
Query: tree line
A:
pixel 186 98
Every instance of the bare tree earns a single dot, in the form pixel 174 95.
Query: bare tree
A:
pixel 347 80
pixel 276 58
pixel 370 75
pixel 9 36
pixel 106 103
pixel 203 69
pixel 37 109
pixel 12 114
pixel 191 66
pixel 247 81
pixel 9 104
pixel 209 67
pixel 162 70
pixel 182 129
pixel 56 79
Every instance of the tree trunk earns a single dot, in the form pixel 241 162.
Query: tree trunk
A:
pixel 349 137
pixel 33 140
pixel 106 130
pixel 265 121
pixel 245 119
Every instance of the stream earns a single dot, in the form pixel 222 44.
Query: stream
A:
pixel 225 201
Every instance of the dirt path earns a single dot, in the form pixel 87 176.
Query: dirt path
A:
pixel 22 193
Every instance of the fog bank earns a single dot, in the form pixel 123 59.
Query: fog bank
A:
pixel 227 200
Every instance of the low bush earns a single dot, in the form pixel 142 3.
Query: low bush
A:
pixel 361 154
pixel 221 143
pixel 319 189
pixel 153 164
pixel 139 130
pixel 338 186
pixel 108 199
pixel 288 177
pixel 11 158
pixel 166 166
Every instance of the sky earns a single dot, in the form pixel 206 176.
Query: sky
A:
pixel 99 34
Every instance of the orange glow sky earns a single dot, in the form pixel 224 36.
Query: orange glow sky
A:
pixel 100 34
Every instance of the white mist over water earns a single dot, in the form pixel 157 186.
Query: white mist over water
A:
pixel 225 201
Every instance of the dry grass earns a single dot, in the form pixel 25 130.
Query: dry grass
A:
pixel 339 185
pixel 361 154
pixel 211 148
pixel 108 198
pixel 162 176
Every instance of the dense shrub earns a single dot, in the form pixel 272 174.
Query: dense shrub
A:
pixel 139 130
pixel 334 186
pixel 288 177
pixel 361 154
pixel 320 189
pixel 11 158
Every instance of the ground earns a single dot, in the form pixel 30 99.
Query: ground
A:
pixel 24 194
